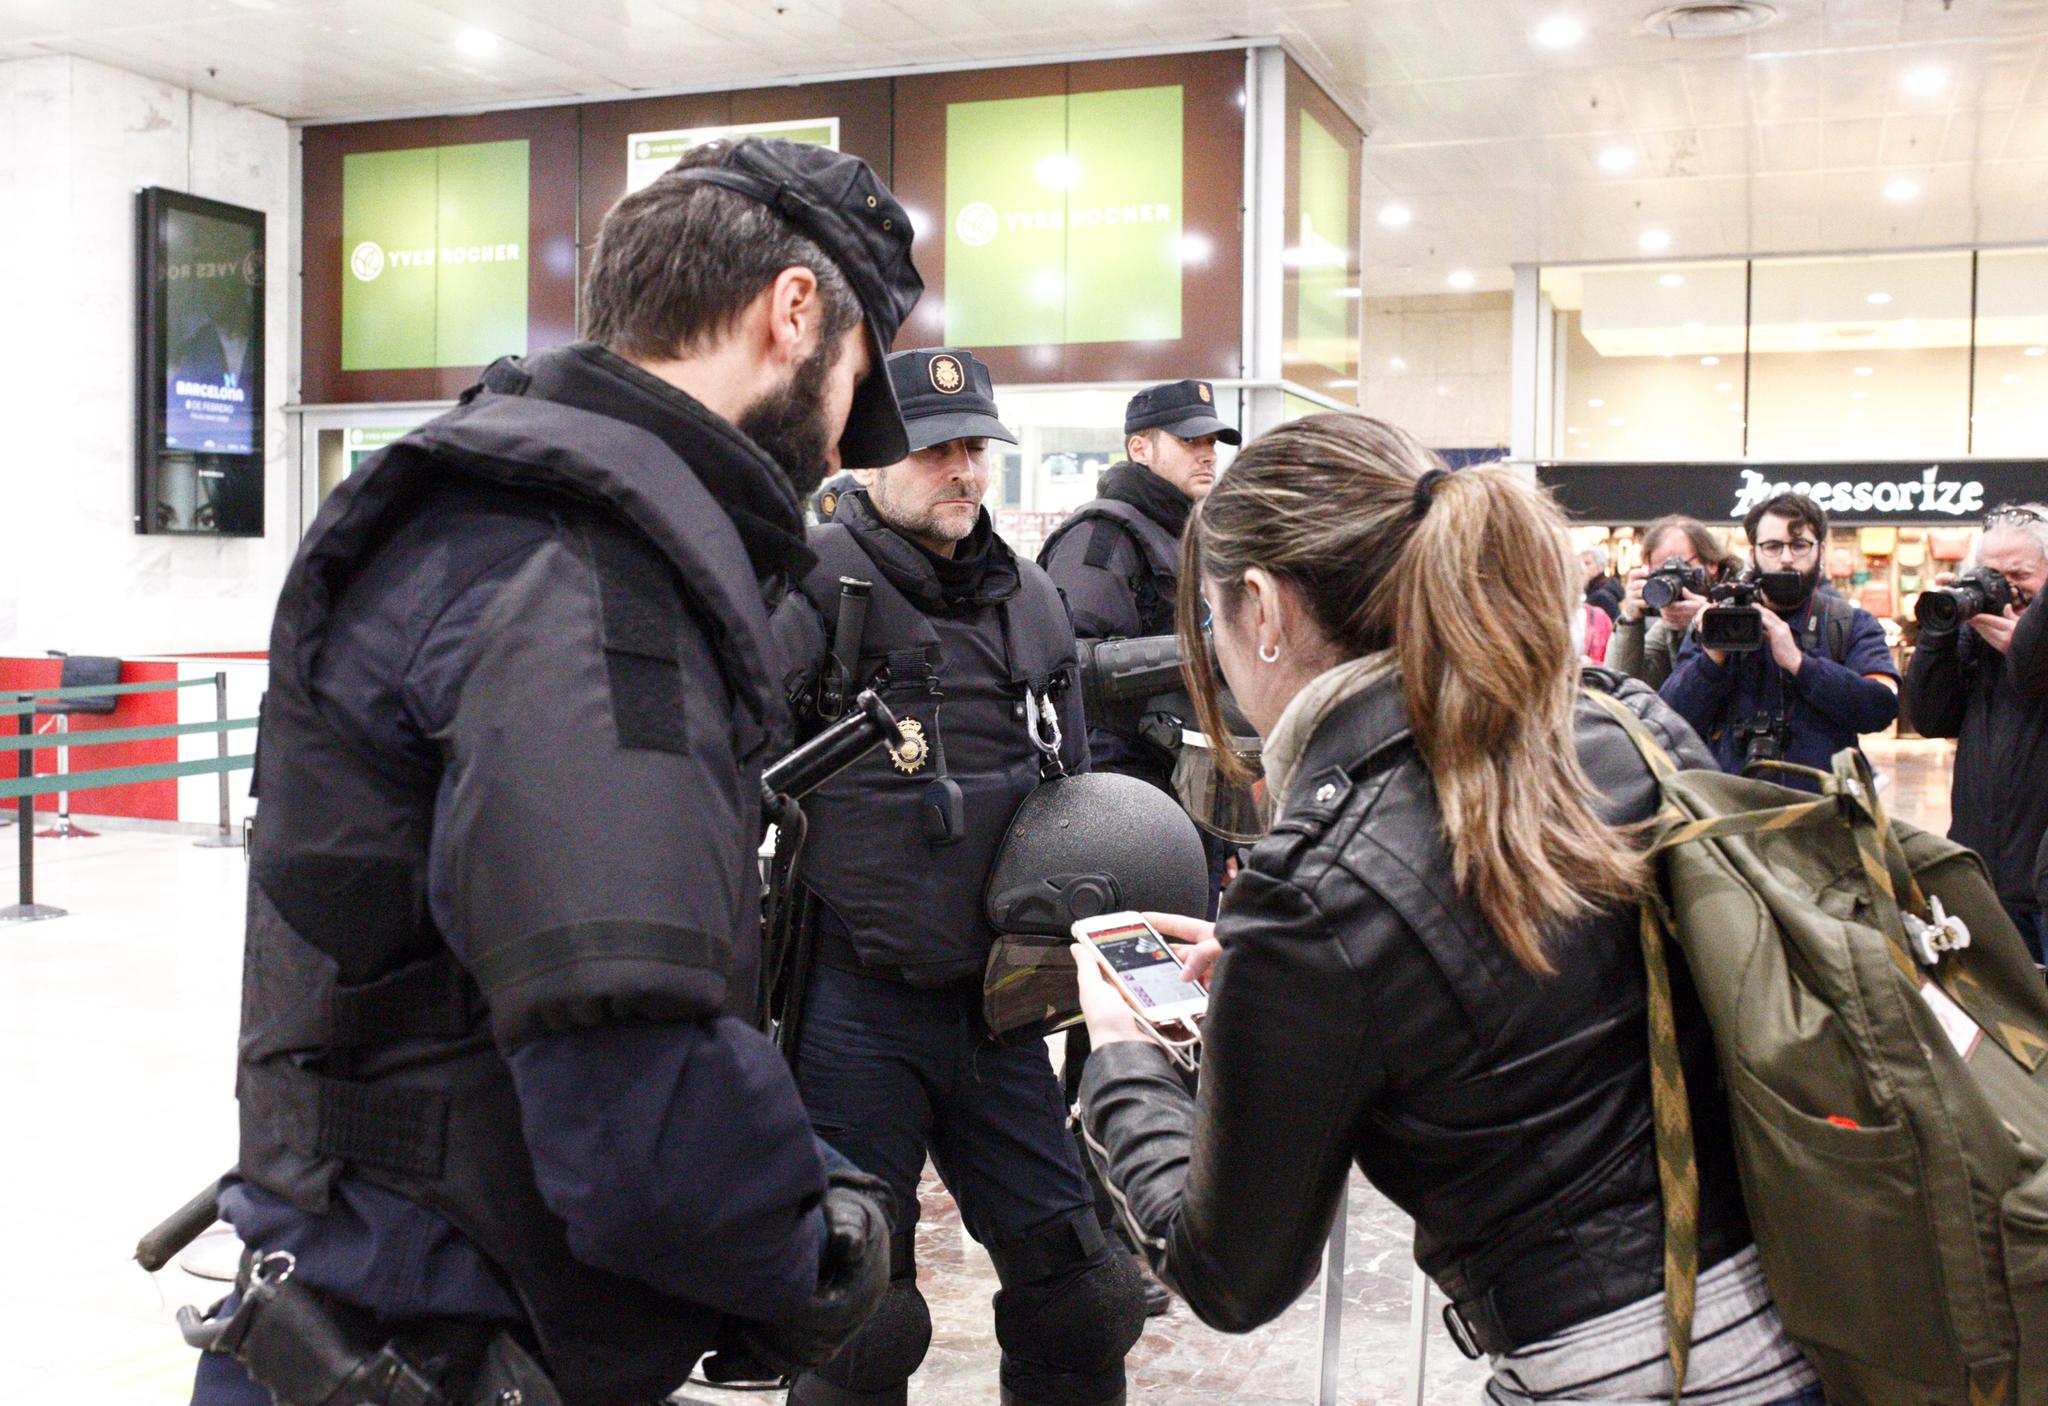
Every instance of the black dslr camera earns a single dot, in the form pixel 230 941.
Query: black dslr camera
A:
pixel 1668 584
pixel 1979 593
pixel 1763 740
pixel 1734 623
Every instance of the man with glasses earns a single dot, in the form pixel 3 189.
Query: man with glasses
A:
pixel 1983 680
pixel 1822 677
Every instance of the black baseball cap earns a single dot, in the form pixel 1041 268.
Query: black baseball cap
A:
pixel 1185 408
pixel 840 203
pixel 946 394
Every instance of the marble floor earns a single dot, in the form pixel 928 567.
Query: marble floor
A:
pixel 117 1027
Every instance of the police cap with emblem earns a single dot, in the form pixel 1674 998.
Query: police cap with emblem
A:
pixel 946 395
pixel 1184 408
pixel 837 201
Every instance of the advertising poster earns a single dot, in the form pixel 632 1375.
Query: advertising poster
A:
pixel 435 245
pixel 1064 218
pixel 648 154
pixel 1324 244
pixel 213 296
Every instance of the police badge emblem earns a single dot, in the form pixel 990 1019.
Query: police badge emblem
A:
pixel 947 375
pixel 1202 390
pixel 911 751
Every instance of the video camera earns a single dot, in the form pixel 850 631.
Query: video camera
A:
pixel 1667 585
pixel 1734 623
pixel 1982 592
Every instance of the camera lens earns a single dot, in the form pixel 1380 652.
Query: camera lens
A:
pixel 1938 609
pixel 1659 592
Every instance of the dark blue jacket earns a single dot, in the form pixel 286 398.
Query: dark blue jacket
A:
pixel 674 1152
pixel 1829 704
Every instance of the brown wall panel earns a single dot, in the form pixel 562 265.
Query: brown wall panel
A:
pixel 551 242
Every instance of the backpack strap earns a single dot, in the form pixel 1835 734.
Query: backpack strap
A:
pixel 1829 622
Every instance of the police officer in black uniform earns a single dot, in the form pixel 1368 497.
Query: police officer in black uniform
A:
pixel 1117 558
pixel 973 651
pixel 498 1115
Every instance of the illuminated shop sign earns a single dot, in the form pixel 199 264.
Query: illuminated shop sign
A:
pixel 1916 490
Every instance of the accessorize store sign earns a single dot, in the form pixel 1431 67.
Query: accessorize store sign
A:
pixel 1064 219
pixel 1908 491
pixel 435 249
pixel 648 154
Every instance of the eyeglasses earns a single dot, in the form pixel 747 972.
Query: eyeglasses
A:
pixel 1798 549
pixel 2006 513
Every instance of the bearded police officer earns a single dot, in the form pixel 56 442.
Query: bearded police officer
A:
pixel 498 1116
pixel 973 651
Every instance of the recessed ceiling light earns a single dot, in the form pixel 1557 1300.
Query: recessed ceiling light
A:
pixel 1559 32
pixel 1653 241
pixel 1734 407
pixel 1618 159
pixel 1924 81
pixel 1395 216
pixel 1859 395
pixel 2037 351
pixel 1595 403
pixel 1710 361
pixel 1904 188
pixel 1395 363
pixel 1461 278
pixel 1878 299
pixel 1671 351
pixel 2010 378
pixel 1866 370
pixel 477 43
pixel 1724 385
pixel 1617 422
pixel 1693 329
pixel 1672 280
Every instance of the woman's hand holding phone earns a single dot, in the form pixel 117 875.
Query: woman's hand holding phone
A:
pixel 1107 1010
pixel 1196 938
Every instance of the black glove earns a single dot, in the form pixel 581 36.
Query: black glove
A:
pixel 850 1284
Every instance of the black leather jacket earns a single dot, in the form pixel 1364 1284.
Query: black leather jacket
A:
pixel 1362 1011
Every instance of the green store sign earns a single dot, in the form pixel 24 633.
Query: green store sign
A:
pixel 1063 219
pixel 1324 241
pixel 649 154
pixel 434 248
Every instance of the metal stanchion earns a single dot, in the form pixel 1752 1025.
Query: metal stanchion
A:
pixel 1330 1331
pixel 1418 1336
pixel 27 910
pixel 64 829
pixel 224 837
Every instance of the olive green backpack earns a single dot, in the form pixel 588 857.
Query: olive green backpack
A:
pixel 1882 1033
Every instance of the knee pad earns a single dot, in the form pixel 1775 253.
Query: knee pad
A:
pixel 1071 1306
pixel 878 1360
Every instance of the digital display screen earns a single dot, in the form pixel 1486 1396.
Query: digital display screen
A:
pixel 213 295
pixel 1149 972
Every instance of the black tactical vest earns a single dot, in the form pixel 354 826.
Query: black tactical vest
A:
pixel 914 906
pixel 1158 553
pixel 365 1048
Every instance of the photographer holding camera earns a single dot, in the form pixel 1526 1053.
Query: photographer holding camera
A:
pixel 1980 675
pixel 1778 669
pixel 1682 559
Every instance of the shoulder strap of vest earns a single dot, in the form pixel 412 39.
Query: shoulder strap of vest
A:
pixel 1037 633
pixel 1152 539
pixel 892 619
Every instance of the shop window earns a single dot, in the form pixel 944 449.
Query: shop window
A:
pixel 1855 358
pixel 2010 406
pixel 1648 361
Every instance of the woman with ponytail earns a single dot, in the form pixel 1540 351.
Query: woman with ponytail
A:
pixel 1429 967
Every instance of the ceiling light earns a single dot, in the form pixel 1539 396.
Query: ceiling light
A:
pixel 1617 159
pixel 1396 363
pixel 1617 422
pixel 2037 351
pixel 1595 403
pixel 1653 241
pixel 1924 81
pixel 1672 280
pixel 1559 32
pixel 1724 385
pixel 2010 378
pixel 1710 361
pixel 1461 278
pixel 1866 370
pixel 1859 395
pixel 1709 19
pixel 1878 299
pixel 1904 188
pixel 1693 329
pixel 1395 216
pixel 477 43
pixel 1443 390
